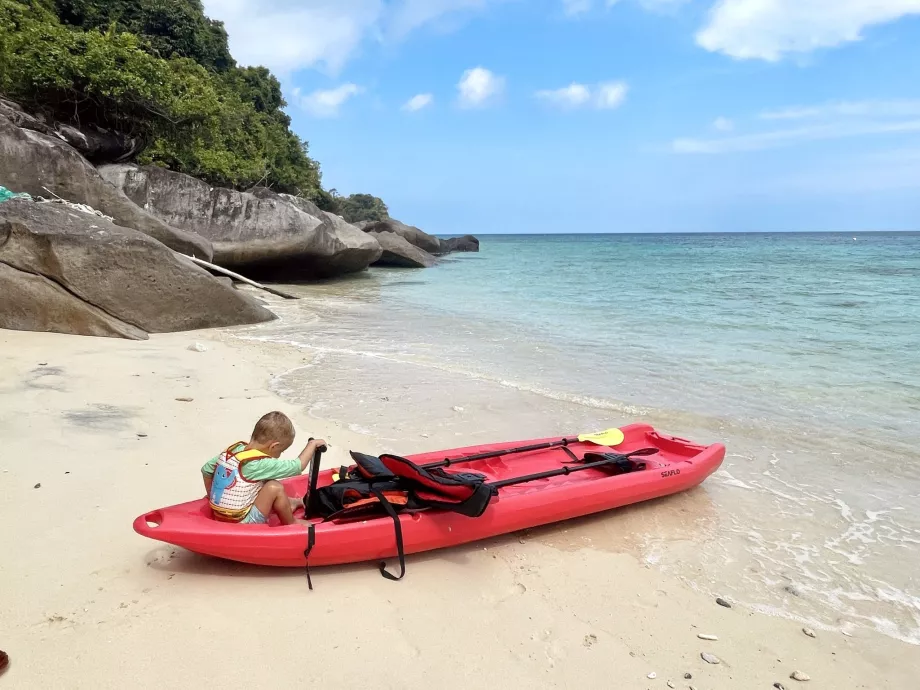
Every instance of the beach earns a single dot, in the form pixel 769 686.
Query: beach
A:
pixel 95 434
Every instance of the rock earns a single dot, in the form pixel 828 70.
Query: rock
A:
pixel 102 279
pixel 258 233
pixel 688 676
pixel 800 676
pixel 670 684
pixel 793 590
pixel 779 686
pixel 185 399
pixel 37 486
pixel 34 303
pixel 197 347
pixel 140 435
pixel 410 233
pixel 398 253
pixel 31 161
pixel 711 638
pixel 652 675
pixel 94 143
pixel 710 658
pixel 722 602
pixel 809 632
pixel 457 408
pixel 467 243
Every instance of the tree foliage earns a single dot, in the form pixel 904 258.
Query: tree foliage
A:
pixel 358 207
pixel 161 71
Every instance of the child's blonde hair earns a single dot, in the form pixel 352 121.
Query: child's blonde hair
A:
pixel 274 427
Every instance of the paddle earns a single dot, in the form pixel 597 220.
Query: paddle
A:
pixel 609 438
pixel 608 459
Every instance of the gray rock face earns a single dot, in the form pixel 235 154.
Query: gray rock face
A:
pixel 31 162
pixel 30 302
pixel 110 271
pixel 97 145
pixel 259 232
pixel 413 235
pixel 467 243
pixel 397 252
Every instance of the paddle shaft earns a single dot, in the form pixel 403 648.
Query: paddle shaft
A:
pixel 312 496
pixel 549 474
pixel 447 462
pixel 566 470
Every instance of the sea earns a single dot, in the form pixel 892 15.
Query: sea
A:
pixel 800 352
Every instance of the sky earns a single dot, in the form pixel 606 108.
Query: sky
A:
pixel 531 116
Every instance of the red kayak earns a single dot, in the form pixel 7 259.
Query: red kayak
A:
pixel 559 491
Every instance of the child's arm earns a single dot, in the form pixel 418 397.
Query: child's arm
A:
pixel 207 474
pixel 306 455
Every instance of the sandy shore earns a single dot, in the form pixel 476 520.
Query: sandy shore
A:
pixel 93 436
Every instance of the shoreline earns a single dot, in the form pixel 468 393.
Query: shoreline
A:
pixel 558 606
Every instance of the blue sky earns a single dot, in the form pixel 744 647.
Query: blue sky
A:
pixel 596 116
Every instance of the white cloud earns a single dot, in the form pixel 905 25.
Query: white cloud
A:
pixel 894 108
pixel 723 124
pixel 286 35
pixel 573 8
pixel 478 87
pixel 290 35
pixel 416 103
pixel 611 94
pixel 605 96
pixel 570 96
pixel 771 29
pixel 327 103
pixel 788 137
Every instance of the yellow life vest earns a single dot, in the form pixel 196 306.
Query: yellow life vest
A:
pixel 232 495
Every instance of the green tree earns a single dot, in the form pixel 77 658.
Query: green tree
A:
pixel 358 207
pixel 159 70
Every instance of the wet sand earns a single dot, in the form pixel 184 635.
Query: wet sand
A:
pixel 94 436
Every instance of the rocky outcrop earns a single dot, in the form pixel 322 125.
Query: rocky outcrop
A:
pixel 259 233
pixel 44 165
pixel 412 234
pixel 83 274
pixel 358 250
pixel 467 243
pixel 94 143
pixel 32 302
pixel 399 253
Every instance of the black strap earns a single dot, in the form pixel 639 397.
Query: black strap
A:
pixel 311 540
pixel 399 539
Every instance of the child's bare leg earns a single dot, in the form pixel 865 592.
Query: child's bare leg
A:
pixel 272 498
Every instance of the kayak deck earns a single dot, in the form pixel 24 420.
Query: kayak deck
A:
pixel 679 465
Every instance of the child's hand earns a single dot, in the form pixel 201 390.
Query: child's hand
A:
pixel 318 443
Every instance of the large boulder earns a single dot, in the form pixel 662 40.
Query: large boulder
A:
pixel 358 250
pixel 399 253
pixel 260 232
pixel 410 233
pixel 96 278
pixel 467 243
pixel 94 143
pixel 34 303
pixel 45 165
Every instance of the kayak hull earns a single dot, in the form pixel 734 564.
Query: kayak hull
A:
pixel 679 465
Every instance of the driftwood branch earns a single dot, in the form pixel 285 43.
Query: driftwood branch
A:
pixel 237 276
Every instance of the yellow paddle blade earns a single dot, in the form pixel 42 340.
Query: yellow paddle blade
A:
pixel 611 438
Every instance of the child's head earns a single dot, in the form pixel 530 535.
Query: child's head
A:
pixel 273 435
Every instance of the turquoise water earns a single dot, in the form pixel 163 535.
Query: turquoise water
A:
pixel 811 329
pixel 800 352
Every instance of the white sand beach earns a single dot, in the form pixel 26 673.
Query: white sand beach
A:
pixel 94 435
